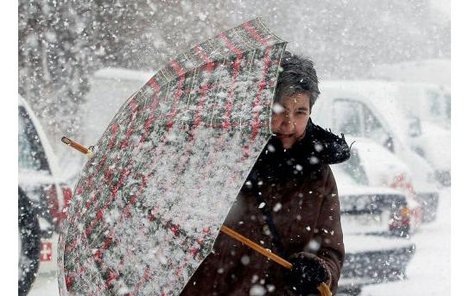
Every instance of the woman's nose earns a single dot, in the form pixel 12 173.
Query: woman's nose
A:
pixel 288 118
pixel 288 121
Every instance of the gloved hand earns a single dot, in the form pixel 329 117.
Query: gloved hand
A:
pixel 307 273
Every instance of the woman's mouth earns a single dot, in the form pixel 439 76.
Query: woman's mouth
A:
pixel 283 136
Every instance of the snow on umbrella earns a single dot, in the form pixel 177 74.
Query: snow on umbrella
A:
pixel 151 200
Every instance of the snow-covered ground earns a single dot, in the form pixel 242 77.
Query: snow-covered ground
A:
pixel 428 272
pixel 45 286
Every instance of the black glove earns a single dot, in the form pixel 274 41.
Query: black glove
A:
pixel 307 273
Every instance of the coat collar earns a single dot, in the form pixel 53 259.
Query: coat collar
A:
pixel 318 147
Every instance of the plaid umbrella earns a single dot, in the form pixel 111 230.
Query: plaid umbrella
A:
pixel 152 199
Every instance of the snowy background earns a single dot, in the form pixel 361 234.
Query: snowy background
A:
pixel 62 43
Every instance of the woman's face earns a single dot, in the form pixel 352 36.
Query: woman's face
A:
pixel 290 118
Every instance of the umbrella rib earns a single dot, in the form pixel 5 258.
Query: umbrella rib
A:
pixel 245 40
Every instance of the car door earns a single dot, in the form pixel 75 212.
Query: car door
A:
pixel 31 155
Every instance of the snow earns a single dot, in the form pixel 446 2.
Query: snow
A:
pixel 429 269
pixel 408 32
pixel 433 71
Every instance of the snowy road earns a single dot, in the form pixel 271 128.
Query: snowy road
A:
pixel 428 272
pixel 45 286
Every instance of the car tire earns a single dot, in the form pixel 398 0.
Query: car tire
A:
pixel 28 243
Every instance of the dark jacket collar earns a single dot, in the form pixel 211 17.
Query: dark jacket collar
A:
pixel 318 147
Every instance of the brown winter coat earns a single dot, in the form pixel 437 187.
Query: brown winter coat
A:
pixel 305 211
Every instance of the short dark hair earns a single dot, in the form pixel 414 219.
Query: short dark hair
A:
pixel 297 75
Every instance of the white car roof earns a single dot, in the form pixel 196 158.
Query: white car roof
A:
pixel 380 96
pixel 123 74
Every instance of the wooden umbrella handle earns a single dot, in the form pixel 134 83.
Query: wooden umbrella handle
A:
pixel 77 146
pixel 323 288
pixel 232 233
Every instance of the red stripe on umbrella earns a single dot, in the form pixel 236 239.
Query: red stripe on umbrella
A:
pixel 203 54
pixel 114 129
pixel 229 106
pixel 256 104
pixel 254 33
pixel 153 84
pixel 236 69
pixel 143 280
pixel 230 44
pixel 124 174
pixel 179 92
pixel 130 130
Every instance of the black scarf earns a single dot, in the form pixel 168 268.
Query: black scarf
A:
pixel 276 164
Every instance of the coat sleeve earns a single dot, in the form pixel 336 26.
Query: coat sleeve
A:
pixel 329 230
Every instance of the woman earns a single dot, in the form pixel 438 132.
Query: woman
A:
pixel 289 204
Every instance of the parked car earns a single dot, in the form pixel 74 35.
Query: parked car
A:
pixel 346 107
pixel 29 242
pixel 42 199
pixel 429 102
pixel 373 165
pixel 369 218
pixel 373 260
pixel 377 210
pixel 427 107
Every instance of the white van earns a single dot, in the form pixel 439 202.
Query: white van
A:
pixel 367 109
pixel 429 108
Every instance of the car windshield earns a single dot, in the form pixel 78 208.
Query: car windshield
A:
pixel 354 168
pixel 31 154
pixel 440 106
pixel 347 116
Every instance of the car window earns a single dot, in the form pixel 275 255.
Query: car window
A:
pixel 447 106
pixel 373 129
pixel 434 103
pixel 347 116
pixel 31 154
pixel 354 168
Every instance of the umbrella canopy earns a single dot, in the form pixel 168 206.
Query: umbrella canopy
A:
pixel 150 202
